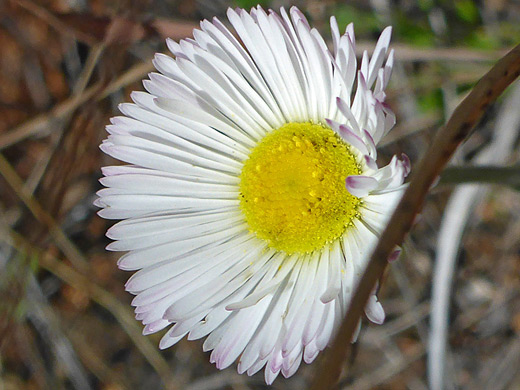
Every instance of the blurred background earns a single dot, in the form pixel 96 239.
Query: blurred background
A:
pixel 65 319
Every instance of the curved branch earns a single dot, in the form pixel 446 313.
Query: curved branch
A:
pixel 459 126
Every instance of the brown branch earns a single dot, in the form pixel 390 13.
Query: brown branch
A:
pixel 464 118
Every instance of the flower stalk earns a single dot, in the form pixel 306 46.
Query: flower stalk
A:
pixel 467 114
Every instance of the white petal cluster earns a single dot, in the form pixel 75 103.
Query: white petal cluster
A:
pixel 199 270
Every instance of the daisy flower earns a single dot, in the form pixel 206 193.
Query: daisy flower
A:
pixel 253 199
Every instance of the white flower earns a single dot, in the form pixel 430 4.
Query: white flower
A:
pixel 253 198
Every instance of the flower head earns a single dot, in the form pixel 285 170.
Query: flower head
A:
pixel 253 198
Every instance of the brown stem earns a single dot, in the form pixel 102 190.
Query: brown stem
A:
pixel 463 120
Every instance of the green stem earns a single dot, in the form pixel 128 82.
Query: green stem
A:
pixel 509 176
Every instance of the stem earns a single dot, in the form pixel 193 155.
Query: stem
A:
pixel 463 120
pixel 509 176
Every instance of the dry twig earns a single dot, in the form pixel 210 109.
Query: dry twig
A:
pixel 61 110
pixel 386 371
pixel 457 213
pixel 448 138
pixel 104 299
pixel 59 237
pixel 51 19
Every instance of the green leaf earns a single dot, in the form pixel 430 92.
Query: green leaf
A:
pixel 415 31
pixel 425 5
pixel 431 101
pixel 467 11
pixel 247 4
pixel 365 22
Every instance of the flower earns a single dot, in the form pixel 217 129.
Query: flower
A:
pixel 253 198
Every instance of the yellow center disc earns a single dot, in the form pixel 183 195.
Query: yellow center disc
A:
pixel 292 188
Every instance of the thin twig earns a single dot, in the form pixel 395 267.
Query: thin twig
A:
pixel 48 325
pixel 504 367
pixel 491 174
pixel 410 297
pixel 388 370
pixel 221 380
pixel 59 237
pixel 457 213
pixel 61 110
pixel 83 79
pixel 105 299
pixel 49 18
pixel 448 138
pixel 95 362
pixel 374 336
pixel 39 122
pixel 408 53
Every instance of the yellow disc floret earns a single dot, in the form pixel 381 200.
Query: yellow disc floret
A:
pixel 292 188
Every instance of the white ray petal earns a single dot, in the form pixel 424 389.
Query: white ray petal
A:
pixel 379 55
pixel 178 234
pixel 310 352
pixel 167 340
pixel 267 331
pixel 334 259
pixel 155 327
pixel 292 368
pixel 360 186
pixel 289 69
pixel 264 341
pixel 297 327
pixel 152 276
pixel 246 28
pixel 168 222
pixel 238 334
pixel 175 143
pixel 139 188
pixel 160 202
pixel 181 108
pixel 326 327
pixel 241 59
pixel 244 91
pixel 162 185
pixel 374 310
pixel 219 92
pixel 152 160
pixel 292 357
pixel 216 289
pixel 173 151
pixel 216 336
pixel 196 133
pixel 269 285
pixel 299 53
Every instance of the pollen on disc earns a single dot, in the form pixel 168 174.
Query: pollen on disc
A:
pixel 292 188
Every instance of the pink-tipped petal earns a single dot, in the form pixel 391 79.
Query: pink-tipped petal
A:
pixel 371 163
pixel 406 164
pixel 350 137
pixel 394 256
pixel 360 186
pixel 371 145
pixel 374 310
